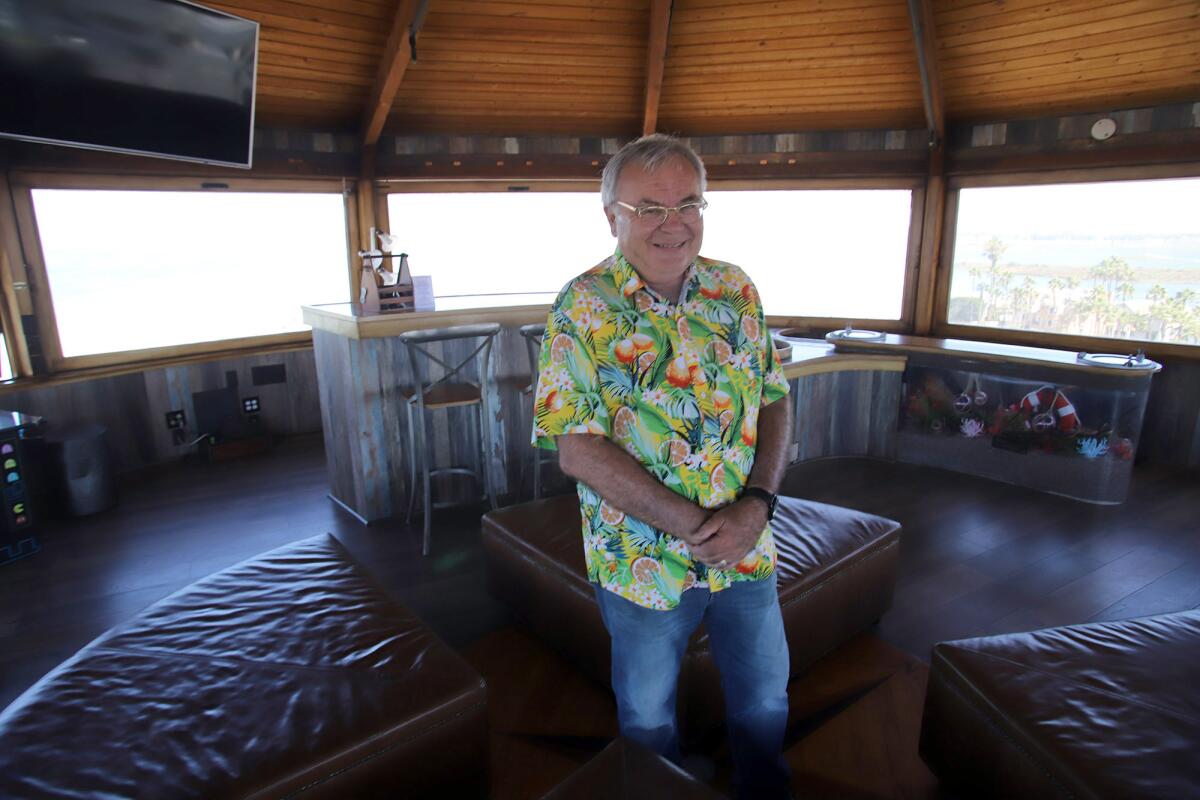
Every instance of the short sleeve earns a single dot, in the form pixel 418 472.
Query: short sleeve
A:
pixel 568 398
pixel 775 384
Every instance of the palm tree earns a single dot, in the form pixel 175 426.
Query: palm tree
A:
pixel 995 281
pixel 1056 285
pixel 1110 274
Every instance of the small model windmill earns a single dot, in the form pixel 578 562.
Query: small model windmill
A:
pixel 386 287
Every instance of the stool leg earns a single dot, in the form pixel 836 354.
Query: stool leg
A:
pixel 412 463
pixel 425 473
pixel 485 440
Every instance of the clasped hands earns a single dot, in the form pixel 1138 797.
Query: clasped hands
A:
pixel 728 534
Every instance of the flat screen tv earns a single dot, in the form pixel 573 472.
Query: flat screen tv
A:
pixel 162 78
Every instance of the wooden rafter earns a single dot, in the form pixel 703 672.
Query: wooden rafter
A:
pixel 391 71
pixel 921 14
pixel 656 59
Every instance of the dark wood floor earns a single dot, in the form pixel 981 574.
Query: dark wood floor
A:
pixel 977 557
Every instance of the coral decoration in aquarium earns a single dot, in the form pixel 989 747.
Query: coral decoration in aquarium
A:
pixel 1017 415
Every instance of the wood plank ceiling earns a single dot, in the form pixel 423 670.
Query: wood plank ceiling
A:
pixel 580 67
pixel 1018 57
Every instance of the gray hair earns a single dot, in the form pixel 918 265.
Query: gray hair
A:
pixel 651 152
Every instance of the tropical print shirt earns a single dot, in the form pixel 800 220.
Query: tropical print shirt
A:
pixel 679 386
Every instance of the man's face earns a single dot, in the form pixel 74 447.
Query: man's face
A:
pixel 660 253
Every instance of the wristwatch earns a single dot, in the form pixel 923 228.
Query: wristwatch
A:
pixel 771 500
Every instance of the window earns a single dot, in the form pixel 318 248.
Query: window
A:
pixel 130 270
pixel 816 252
pixel 1116 260
pixel 522 246
pixel 805 249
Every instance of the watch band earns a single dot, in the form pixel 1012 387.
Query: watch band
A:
pixel 762 494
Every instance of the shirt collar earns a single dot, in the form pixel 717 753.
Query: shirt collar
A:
pixel 629 281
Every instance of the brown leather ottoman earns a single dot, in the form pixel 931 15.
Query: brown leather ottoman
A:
pixel 627 771
pixel 1107 709
pixel 287 675
pixel 836 571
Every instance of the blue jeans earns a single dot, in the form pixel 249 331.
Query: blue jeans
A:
pixel 745 627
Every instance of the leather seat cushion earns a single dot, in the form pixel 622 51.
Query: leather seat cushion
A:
pixel 289 674
pixel 836 571
pixel 1105 709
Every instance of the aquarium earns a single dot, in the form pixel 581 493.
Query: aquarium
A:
pixel 1069 433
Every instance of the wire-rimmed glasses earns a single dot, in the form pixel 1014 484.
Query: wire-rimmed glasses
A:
pixel 689 213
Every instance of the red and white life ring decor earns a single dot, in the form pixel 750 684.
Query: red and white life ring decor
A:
pixel 1048 400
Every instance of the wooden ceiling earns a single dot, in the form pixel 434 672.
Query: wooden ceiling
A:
pixel 581 67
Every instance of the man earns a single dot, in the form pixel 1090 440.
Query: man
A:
pixel 661 390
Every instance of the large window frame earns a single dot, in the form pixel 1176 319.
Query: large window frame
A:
pixel 944 328
pixel 22 186
pixel 813 324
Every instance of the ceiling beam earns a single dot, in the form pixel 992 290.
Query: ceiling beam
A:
pixel 656 59
pixel 391 71
pixel 924 38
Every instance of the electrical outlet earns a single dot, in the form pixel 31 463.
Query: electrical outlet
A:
pixel 176 419
pixel 250 405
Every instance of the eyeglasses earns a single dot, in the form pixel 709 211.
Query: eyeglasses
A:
pixel 689 213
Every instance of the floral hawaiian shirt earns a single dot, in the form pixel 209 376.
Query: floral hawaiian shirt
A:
pixel 679 387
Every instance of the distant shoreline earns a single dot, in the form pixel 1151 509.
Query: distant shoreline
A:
pixel 1142 274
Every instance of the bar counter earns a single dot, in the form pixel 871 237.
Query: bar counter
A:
pixel 809 356
pixel 847 401
pixel 999 411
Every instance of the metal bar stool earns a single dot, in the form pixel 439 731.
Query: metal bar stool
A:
pixel 452 389
pixel 533 335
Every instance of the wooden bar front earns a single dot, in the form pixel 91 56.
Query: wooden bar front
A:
pixel 846 404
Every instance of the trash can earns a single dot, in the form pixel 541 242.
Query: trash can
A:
pixel 80 468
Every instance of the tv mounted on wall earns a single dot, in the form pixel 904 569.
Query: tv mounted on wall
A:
pixel 164 78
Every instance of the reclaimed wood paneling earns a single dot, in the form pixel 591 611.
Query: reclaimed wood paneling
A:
pixel 133 406
pixel 794 154
pixel 851 413
pixel 1171 430
pixel 363 410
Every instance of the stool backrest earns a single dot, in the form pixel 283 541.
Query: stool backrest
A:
pixel 420 356
pixel 533 335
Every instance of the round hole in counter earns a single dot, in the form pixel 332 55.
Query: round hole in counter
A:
pixel 855 335
pixel 1136 361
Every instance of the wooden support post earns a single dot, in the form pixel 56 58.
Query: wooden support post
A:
pixel 933 219
pixel 364 219
pixel 656 58
pixel 365 193
pixel 14 284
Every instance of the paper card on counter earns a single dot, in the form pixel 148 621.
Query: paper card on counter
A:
pixel 423 293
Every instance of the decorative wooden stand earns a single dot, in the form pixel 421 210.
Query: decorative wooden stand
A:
pixel 377 297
